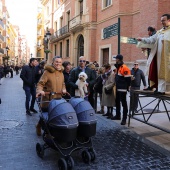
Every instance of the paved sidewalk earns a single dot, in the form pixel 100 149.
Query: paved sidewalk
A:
pixel 117 147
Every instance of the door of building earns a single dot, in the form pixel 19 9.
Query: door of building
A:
pixel 80 51
pixel 105 56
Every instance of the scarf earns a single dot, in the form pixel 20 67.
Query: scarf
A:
pixel 105 76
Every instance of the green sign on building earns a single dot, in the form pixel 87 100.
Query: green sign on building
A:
pixel 110 31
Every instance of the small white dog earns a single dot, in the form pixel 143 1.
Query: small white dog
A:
pixel 82 85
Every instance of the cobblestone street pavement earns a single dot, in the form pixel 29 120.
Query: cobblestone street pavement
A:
pixel 116 147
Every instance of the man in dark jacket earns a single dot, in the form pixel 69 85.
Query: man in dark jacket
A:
pixel 39 69
pixel 28 77
pixel 98 87
pixel 90 80
pixel 122 78
pixel 17 69
pixel 137 76
pixel 11 71
pixel 151 32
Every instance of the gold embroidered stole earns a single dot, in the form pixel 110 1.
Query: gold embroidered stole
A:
pixel 164 72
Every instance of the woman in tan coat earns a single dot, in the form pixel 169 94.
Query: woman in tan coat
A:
pixel 108 84
pixel 52 80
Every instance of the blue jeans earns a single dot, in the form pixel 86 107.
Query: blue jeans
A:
pixel 30 91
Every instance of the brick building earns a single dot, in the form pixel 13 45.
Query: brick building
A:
pixel 77 27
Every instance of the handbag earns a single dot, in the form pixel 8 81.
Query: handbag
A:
pixel 108 92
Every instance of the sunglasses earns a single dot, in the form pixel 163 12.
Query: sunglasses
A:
pixel 135 64
pixel 82 61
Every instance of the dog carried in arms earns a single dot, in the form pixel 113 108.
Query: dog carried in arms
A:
pixel 82 85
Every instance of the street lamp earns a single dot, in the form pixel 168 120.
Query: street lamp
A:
pixel 31 55
pixel 46 41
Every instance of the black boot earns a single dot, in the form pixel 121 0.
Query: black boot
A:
pixel 109 109
pixel 111 115
pixel 108 112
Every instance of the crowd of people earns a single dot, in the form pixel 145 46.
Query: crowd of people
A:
pixel 110 83
pixel 8 71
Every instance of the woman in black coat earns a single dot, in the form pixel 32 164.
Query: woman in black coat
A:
pixel 98 86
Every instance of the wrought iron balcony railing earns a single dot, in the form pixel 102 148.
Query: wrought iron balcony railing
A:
pixel 61 31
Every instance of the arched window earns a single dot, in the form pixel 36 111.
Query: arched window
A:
pixel 81 46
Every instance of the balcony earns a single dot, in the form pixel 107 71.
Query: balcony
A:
pixel 62 31
pixel 53 37
pixel 1 38
pixel 38 47
pixel 76 23
pixel 38 55
pixel 1 51
pixel 1 25
pixel 60 34
pixel 39 23
pixel 39 35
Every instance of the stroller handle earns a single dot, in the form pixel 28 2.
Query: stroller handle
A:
pixel 53 93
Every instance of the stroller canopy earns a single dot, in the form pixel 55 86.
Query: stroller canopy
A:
pixel 85 112
pixel 61 113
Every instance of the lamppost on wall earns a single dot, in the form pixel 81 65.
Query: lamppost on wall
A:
pixel 46 41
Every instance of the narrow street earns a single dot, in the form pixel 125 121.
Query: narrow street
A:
pixel 116 147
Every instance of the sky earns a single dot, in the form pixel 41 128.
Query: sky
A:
pixel 24 14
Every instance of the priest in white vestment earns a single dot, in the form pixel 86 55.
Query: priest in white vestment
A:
pixel 158 63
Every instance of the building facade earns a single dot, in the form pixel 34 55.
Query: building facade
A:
pixel 2 39
pixel 11 43
pixel 78 26
pixel 40 33
pixel 13 47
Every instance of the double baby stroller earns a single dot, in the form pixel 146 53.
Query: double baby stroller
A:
pixel 68 126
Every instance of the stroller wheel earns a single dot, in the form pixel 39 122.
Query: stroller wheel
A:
pixel 40 150
pixel 86 156
pixel 92 153
pixel 70 162
pixel 62 164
